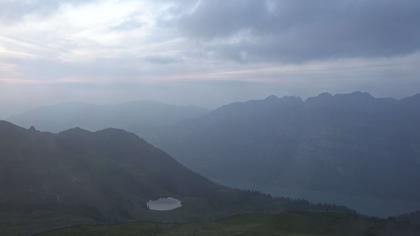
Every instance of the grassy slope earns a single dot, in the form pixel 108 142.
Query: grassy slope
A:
pixel 50 181
pixel 288 223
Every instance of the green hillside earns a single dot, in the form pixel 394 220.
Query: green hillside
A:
pixel 296 223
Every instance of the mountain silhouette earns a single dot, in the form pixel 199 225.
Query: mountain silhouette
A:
pixel 352 149
pixel 77 177
pixel 136 116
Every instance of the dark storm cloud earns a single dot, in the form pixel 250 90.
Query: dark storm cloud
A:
pixel 301 30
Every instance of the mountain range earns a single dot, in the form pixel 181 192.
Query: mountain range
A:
pixel 80 177
pixel 136 116
pixel 348 149
pixel 351 149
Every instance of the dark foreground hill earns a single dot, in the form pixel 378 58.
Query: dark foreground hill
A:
pixel 287 223
pixel 78 177
pixel 413 217
pixel 352 149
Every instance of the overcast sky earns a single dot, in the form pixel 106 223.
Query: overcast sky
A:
pixel 206 52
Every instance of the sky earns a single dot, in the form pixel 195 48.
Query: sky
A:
pixel 204 52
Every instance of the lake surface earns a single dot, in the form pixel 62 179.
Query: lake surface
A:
pixel 365 204
pixel 164 204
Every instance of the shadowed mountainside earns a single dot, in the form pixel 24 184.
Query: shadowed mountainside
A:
pixel 413 217
pixel 351 149
pixel 78 177
pixel 348 149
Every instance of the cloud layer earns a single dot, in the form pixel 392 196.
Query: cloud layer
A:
pixel 301 30
pixel 89 47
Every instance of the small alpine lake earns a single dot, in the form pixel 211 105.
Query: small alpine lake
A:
pixel 164 204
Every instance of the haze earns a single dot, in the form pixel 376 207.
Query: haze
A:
pixel 207 52
pixel 210 117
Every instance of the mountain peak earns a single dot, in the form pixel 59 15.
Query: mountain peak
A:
pixel 358 94
pixel 271 98
pixel 32 129
pixel 7 125
pixel 284 100
pixel 116 132
pixel 325 94
pixel 75 131
pixel 354 96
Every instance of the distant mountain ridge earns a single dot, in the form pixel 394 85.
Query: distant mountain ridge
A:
pixel 136 116
pixel 341 146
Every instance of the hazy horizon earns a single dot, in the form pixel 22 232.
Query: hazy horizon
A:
pixel 203 52
pixel 208 106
